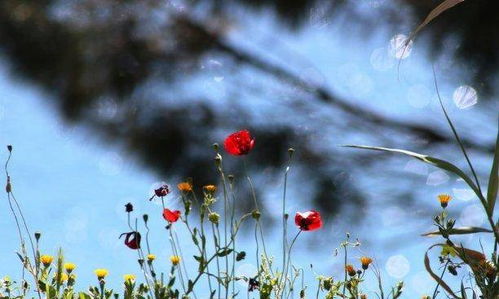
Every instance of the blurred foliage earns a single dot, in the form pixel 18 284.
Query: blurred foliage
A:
pixel 137 58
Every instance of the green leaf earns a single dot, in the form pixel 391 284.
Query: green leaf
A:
pixel 460 231
pixel 194 239
pixel 442 164
pixel 82 295
pixel 493 180
pixel 435 276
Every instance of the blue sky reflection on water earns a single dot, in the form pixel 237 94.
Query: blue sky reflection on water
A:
pixel 73 185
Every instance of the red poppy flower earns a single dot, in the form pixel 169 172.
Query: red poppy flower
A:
pixel 132 239
pixel 308 221
pixel 171 216
pixel 239 143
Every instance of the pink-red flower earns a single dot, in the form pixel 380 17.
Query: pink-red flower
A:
pixel 239 143
pixel 132 239
pixel 162 191
pixel 308 221
pixel 171 216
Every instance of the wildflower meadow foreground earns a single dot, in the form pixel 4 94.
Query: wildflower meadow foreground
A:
pixel 214 235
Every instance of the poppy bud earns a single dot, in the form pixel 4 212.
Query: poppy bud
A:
pixel 215 146
pixel 256 214
pixel 218 160
pixel 37 236
pixel 8 187
pixel 452 270
pixel 240 256
pixel 145 217
pixel 141 262
pixel 9 148
pixel 128 207
pixel 291 151
pixel 231 178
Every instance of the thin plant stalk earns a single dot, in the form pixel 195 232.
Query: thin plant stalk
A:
pixel 456 135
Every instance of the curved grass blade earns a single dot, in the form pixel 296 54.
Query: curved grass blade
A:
pixel 442 164
pixel 494 179
pixel 442 7
pixel 440 282
pixel 460 231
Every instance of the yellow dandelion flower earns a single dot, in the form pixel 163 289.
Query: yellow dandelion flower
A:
pixel 129 278
pixel 444 200
pixel 101 273
pixel 151 257
pixel 365 261
pixel 64 277
pixel 46 260
pixel 210 189
pixel 69 267
pixel 175 259
pixel 184 187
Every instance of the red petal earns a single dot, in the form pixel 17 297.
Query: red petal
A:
pixel 239 143
pixel 308 221
pixel 132 240
pixel 171 216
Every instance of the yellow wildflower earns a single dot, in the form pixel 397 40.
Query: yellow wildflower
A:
pixel 151 257
pixel 46 260
pixel 444 200
pixel 184 187
pixel 213 217
pixel 210 189
pixel 69 267
pixel 175 259
pixel 101 273
pixel 129 277
pixel 365 261
pixel 64 277
pixel 350 270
